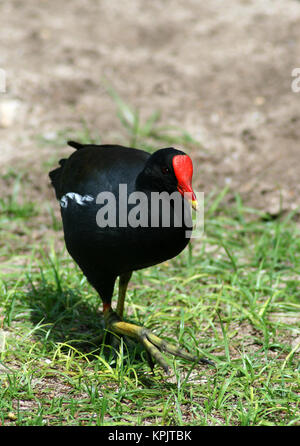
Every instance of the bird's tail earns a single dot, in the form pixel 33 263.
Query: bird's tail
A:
pixel 76 145
pixel 55 176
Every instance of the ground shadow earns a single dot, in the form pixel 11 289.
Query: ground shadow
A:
pixel 64 316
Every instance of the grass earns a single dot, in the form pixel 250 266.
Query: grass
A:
pixel 232 296
pixel 144 135
pixel 10 206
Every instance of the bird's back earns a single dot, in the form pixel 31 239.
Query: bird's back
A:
pixel 96 168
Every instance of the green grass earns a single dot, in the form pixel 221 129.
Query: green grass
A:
pixel 232 296
pixel 146 134
pixel 12 206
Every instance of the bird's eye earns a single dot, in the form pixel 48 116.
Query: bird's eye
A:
pixel 165 170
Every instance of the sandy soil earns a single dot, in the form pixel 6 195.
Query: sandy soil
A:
pixel 219 69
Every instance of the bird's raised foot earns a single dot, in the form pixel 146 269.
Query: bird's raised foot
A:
pixel 152 343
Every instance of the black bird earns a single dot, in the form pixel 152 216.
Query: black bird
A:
pixel 113 225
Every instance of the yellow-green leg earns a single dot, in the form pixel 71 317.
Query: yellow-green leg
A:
pixel 152 343
pixel 123 283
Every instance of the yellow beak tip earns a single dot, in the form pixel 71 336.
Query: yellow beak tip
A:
pixel 194 204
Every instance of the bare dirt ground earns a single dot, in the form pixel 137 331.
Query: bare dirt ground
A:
pixel 219 69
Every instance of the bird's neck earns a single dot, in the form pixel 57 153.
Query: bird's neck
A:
pixel 144 181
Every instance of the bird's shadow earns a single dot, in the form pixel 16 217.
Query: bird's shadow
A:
pixel 63 316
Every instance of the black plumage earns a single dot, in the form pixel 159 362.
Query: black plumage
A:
pixel 105 253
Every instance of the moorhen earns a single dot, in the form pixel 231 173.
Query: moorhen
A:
pixel 109 237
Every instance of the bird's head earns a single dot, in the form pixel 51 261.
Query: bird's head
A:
pixel 170 170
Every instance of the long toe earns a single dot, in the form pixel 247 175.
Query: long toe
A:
pixel 153 345
pixel 175 351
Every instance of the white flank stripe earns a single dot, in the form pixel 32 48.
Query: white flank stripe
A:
pixel 82 200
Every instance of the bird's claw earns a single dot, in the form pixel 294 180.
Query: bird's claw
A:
pixel 152 343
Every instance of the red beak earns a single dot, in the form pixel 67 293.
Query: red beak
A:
pixel 183 169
